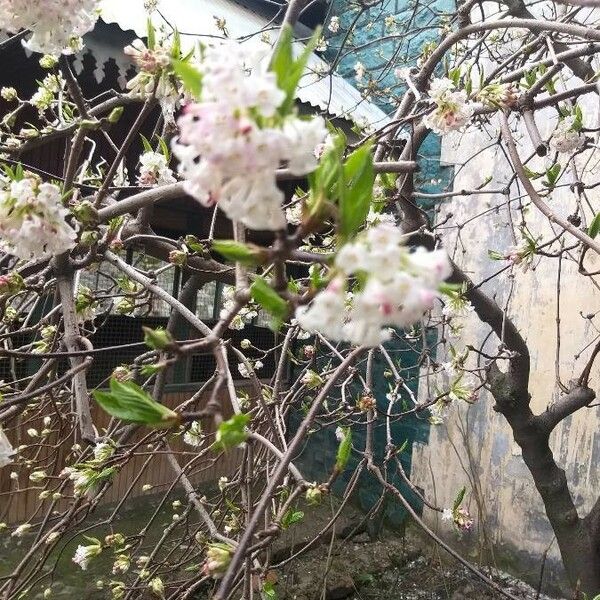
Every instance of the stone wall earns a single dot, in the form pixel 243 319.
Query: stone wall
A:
pixel 474 448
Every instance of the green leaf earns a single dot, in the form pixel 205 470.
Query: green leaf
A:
pixel 164 148
pixel 231 433
pixel 356 200
pixel 269 591
pixel 129 402
pixel 264 295
pixel 552 174
pixel 287 70
pixel 151 35
pixel 454 76
pixel 578 121
pixel 194 244
pixel 344 449
pixel 450 289
pixel 459 498
pixel 594 227
pixel 247 254
pixel 495 255
pixel 146 143
pixel 531 174
pixel 316 276
pixel 291 516
pixel 176 45
pixel 190 77
pixel 115 114
pixel 149 370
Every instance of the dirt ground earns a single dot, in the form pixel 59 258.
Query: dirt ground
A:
pixel 353 566
pixel 350 565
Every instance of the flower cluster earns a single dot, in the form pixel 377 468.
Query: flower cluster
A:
pixel 452 108
pixel 47 92
pixel 57 25
pixel 460 517
pixel 154 78
pixel 234 139
pixel 500 95
pixel 397 288
pixel 11 283
pixel 567 136
pixel 32 219
pixel 193 436
pixel 439 411
pixel 87 476
pixel 218 557
pixel 246 314
pixel 359 71
pixel 154 169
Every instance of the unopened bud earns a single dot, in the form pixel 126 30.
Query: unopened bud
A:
pixel 157 339
pixel 8 93
pixel 115 114
pixel 89 238
pixel 218 557
pixel 366 403
pixel 48 61
pixel 177 257
pixel 85 212
pixel 11 283
pixel 314 495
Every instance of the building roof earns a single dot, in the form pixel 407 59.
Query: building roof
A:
pixel 197 19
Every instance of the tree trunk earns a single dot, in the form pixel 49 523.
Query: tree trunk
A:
pixel 577 539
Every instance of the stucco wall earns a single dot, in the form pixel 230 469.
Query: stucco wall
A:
pixel 474 447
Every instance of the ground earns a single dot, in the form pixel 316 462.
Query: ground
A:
pixel 353 565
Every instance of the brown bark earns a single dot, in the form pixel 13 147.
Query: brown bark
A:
pixel 578 538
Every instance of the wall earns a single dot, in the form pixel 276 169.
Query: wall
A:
pixel 382 46
pixel 19 499
pixel 474 447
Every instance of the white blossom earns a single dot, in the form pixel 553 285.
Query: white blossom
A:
pixel 566 138
pixel 52 537
pixel 21 530
pixel 56 25
pixel 359 71
pixel 37 476
pixel 84 554
pixel 326 313
pixel 243 370
pixel 225 157
pixel 452 110
pixel 457 307
pixel 400 287
pixel 154 170
pixel 321 44
pixel 193 436
pixel 32 219
pixel 334 24
pixel 379 218
pixel 103 451
pixel 438 412
pixel 46 92
pixel 246 314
